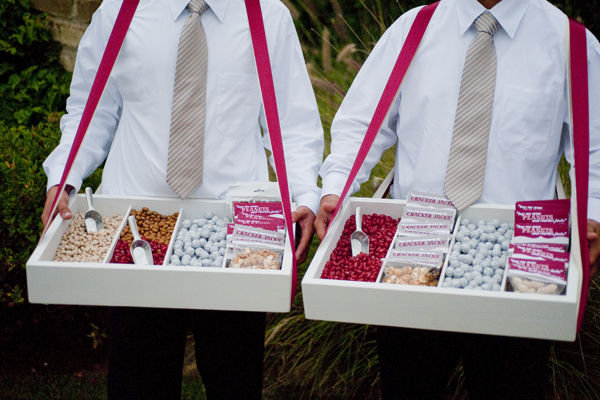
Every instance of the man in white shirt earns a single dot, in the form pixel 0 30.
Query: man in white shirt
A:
pixel 130 132
pixel 528 134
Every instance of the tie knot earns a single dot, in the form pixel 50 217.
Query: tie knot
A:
pixel 197 6
pixel 486 23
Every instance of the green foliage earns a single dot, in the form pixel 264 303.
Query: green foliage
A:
pixel 22 151
pixel 31 81
pixel 33 90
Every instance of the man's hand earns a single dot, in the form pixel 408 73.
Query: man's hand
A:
pixel 593 236
pixel 305 219
pixel 328 204
pixel 63 205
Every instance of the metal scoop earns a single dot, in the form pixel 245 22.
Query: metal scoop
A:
pixel 140 249
pixel 93 219
pixel 359 241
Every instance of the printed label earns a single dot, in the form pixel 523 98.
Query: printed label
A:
pixel 521 251
pixel 428 199
pixel 547 269
pixel 545 230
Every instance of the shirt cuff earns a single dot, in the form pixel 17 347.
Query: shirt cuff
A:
pixel 54 179
pixel 334 183
pixel 594 209
pixel 310 200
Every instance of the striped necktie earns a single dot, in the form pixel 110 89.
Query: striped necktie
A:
pixel 186 141
pixel 466 163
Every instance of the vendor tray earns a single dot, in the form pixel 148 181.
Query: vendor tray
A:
pixel 167 286
pixel 436 308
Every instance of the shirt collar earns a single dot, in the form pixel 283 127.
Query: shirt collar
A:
pixel 509 14
pixel 217 6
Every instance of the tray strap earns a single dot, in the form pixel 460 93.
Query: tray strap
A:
pixel 580 125
pixel 390 92
pixel 107 62
pixel 265 77
pixel 581 141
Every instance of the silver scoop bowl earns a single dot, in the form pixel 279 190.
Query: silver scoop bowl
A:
pixel 140 249
pixel 93 219
pixel 359 241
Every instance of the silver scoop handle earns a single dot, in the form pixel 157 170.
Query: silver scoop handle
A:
pixel 133 227
pixel 88 197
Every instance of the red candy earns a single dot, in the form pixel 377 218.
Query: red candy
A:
pixel 364 267
pixel 122 255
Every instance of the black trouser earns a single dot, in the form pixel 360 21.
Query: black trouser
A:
pixel 147 348
pixel 417 364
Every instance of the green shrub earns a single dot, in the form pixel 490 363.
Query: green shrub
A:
pixel 21 200
pixel 33 91
pixel 31 80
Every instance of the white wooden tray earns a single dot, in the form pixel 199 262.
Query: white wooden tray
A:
pixel 166 286
pixel 437 308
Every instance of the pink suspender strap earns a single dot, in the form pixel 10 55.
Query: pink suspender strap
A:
pixel 389 93
pixel 265 77
pixel 106 64
pixel 581 142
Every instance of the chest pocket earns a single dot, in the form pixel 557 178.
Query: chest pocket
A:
pixel 238 103
pixel 528 121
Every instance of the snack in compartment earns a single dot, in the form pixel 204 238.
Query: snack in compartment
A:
pixel 411 274
pixel 201 242
pixel 153 227
pixel 364 267
pixel 256 239
pixel 539 260
pixel 255 248
pixel 256 258
pixel 78 245
pixel 422 240
pixel 478 257
pixel 537 276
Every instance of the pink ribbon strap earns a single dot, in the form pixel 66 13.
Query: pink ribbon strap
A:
pixel 265 77
pixel 581 144
pixel 106 64
pixel 407 53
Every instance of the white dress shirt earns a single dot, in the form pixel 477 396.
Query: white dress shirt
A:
pixel 131 123
pixel 529 113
